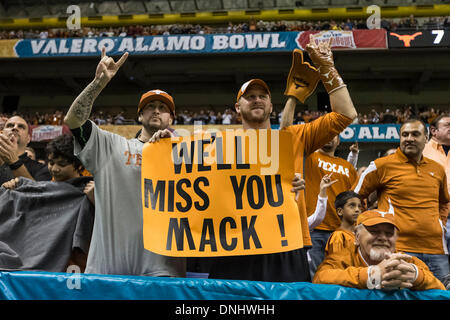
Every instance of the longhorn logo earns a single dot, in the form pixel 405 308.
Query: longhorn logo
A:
pixel 390 210
pixel 383 213
pixel 406 38
pixel 300 82
pixel 391 207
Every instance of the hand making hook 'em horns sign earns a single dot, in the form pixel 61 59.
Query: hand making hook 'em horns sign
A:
pixel 321 53
pixel 322 58
pixel 107 68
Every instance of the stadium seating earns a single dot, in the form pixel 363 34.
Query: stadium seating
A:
pixel 54 8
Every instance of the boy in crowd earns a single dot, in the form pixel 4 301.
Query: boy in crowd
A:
pixel 59 217
pixel 348 207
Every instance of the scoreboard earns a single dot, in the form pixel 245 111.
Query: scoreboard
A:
pixel 419 39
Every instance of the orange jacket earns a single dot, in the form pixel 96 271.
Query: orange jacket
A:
pixel 347 268
pixel 418 195
pixel 339 240
pixel 307 138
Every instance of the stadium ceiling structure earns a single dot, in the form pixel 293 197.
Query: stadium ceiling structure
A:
pixel 41 8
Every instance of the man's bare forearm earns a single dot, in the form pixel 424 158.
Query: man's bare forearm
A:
pixel 287 117
pixel 341 102
pixel 22 171
pixel 80 109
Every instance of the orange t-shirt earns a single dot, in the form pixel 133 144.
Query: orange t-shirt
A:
pixel 418 195
pixel 339 240
pixel 316 166
pixel 307 138
pixel 86 173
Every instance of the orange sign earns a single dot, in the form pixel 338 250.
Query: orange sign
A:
pixel 220 193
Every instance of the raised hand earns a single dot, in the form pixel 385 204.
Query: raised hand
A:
pixel 81 107
pixel 321 54
pixel 107 68
pixel 322 58
pixel 325 183
pixel 354 148
pixel 302 79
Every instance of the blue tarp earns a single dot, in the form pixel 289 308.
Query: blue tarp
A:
pixel 27 285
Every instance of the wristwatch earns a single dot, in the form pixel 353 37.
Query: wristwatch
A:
pixel 16 165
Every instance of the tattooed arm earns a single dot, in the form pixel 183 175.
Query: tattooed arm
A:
pixel 81 108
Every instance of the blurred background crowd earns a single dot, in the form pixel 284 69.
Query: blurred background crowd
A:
pixel 252 26
pixel 391 115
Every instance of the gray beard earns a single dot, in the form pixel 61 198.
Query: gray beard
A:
pixel 377 255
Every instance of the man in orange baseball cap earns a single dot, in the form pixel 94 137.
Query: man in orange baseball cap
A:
pixel 115 162
pixel 156 111
pixel 374 263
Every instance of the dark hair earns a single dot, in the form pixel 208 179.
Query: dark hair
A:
pixel 343 197
pixel 18 116
pixel 62 146
pixel 412 120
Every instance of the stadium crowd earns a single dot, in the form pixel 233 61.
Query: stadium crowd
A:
pixel 392 114
pixel 410 23
pixel 352 234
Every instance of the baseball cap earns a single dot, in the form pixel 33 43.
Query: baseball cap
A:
pixel 374 217
pixel 246 85
pixel 157 95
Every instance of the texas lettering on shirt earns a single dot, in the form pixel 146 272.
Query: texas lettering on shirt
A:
pixel 333 167
pixel 133 159
pixel 316 166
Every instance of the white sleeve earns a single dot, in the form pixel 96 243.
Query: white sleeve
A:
pixel 353 159
pixel 317 217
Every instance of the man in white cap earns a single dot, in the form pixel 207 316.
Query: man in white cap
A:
pixel 374 263
pixel 254 105
pixel 115 162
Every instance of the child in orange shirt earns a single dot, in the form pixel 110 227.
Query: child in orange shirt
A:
pixel 348 207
